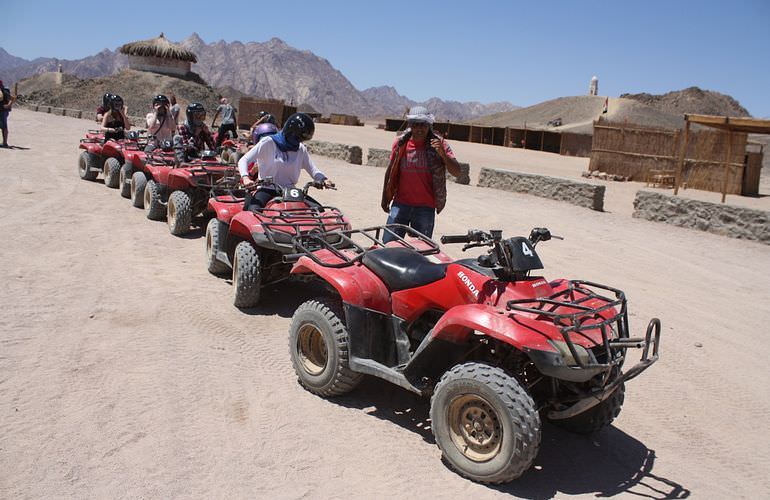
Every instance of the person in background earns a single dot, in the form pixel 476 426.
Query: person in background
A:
pixel 281 156
pixel 114 122
pixel 228 120
pixel 193 136
pixel 104 107
pixel 174 107
pixel 161 125
pixel 415 181
pixel 6 103
pixel 264 117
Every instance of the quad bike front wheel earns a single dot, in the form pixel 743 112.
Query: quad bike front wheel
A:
pixel 111 172
pixel 247 275
pixel 138 183
pixel 179 213
pixel 597 417
pixel 485 423
pixel 124 181
pixel 318 346
pixel 153 206
pixel 215 235
pixel 88 166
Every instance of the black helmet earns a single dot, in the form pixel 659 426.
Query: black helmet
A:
pixel 196 114
pixel 270 118
pixel 299 126
pixel 116 102
pixel 166 145
pixel 160 99
pixel 106 98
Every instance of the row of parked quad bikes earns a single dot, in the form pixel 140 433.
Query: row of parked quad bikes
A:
pixel 497 349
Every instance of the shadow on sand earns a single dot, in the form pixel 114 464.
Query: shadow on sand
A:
pixel 605 464
pixel 284 298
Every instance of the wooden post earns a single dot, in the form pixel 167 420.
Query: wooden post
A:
pixel 727 163
pixel 682 153
pixel 561 143
pixel 542 139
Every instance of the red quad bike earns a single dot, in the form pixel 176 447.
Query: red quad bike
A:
pixel 107 156
pixel 495 348
pixel 135 171
pixel 190 186
pixel 252 243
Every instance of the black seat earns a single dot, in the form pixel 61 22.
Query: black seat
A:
pixel 403 268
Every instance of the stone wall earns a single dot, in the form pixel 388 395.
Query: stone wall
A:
pixel 727 220
pixel 378 157
pixel 578 193
pixel 381 157
pixel 345 152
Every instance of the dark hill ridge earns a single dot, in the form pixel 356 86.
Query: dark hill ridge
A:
pixel 692 100
pixel 270 69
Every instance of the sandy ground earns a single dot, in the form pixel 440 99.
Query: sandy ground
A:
pixel 126 372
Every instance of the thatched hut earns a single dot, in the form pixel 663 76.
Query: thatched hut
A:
pixel 158 55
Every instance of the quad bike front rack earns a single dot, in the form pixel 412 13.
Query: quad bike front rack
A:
pixel 575 322
pixel 294 223
pixel 341 244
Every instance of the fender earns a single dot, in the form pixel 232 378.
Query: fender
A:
pixel 460 322
pixel 356 284
pixel 92 147
pixel 112 149
pixel 179 178
pixel 225 210
pixel 135 159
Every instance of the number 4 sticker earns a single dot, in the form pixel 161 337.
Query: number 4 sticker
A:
pixel 525 250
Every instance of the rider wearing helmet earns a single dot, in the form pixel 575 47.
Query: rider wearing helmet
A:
pixel 114 122
pixel 161 125
pixel 103 107
pixel 264 117
pixel 282 156
pixel 193 136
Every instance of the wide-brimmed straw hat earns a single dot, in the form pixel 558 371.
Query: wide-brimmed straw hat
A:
pixel 419 114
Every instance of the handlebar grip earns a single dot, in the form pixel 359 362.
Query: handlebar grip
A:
pixel 459 238
pixel 291 258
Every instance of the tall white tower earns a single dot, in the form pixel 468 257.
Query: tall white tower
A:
pixel 593 87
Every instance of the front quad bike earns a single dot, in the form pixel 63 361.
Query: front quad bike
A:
pixel 253 242
pixel 495 348
pixel 107 157
pixel 90 159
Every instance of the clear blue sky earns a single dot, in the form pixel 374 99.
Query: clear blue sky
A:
pixel 522 52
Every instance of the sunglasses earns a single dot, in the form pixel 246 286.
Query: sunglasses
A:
pixel 418 124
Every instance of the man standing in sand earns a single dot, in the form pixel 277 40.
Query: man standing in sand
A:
pixel 415 181
pixel 228 120
pixel 6 102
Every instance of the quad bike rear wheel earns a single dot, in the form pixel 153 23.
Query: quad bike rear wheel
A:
pixel 124 181
pixel 215 234
pixel 111 172
pixel 88 166
pixel 138 183
pixel 597 417
pixel 318 346
pixel 179 213
pixel 153 206
pixel 247 275
pixel 485 423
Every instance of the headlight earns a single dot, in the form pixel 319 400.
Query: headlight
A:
pixel 569 360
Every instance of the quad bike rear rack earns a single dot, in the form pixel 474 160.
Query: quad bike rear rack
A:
pixel 571 324
pixel 204 176
pixel 294 223
pixel 342 245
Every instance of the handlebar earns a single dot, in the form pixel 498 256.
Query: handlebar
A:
pixel 457 238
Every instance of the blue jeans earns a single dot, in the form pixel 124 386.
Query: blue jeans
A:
pixel 420 219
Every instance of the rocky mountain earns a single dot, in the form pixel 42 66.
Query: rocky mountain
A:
pixel 7 61
pixel 692 100
pixel 271 69
pixel 104 63
pixel 386 101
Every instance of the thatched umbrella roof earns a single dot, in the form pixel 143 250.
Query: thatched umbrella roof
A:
pixel 158 47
